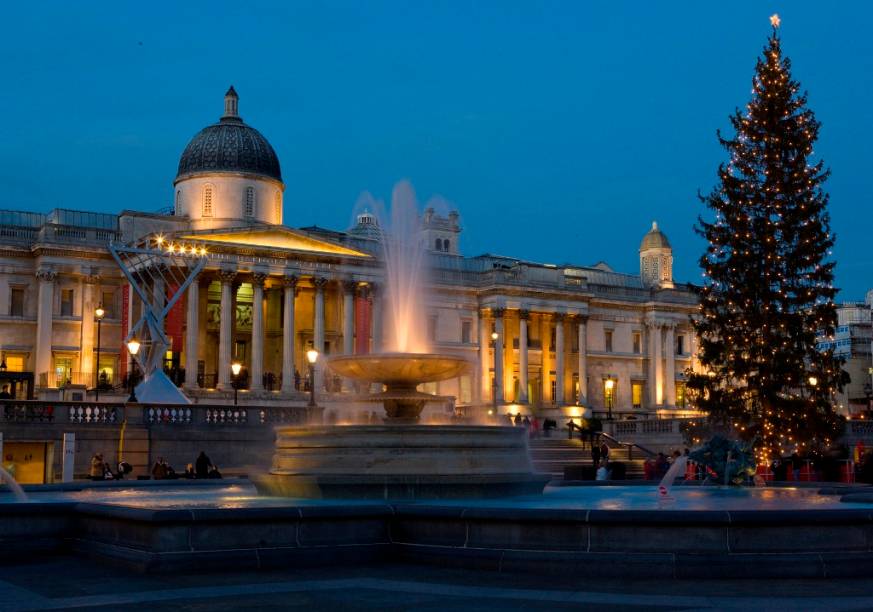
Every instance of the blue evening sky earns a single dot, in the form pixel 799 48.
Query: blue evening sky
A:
pixel 559 130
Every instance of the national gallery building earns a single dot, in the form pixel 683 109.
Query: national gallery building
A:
pixel 565 335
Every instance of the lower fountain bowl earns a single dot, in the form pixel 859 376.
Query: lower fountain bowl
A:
pixel 401 462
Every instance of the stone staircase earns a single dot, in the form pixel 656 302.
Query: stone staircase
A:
pixel 552 455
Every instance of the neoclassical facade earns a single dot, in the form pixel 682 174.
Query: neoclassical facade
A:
pixel 566 336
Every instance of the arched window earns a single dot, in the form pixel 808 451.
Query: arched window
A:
pixel 278 204
pixel 178 201
pixel 438 245
pixel 206 209
pixel 446 245
pixel 250 202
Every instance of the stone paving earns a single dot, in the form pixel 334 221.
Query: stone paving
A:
pixel 71 583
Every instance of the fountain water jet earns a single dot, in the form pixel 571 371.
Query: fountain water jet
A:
pixel 17 491
pixel 402 459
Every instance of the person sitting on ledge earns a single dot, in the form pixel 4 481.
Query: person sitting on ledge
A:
pixel 189 472
pixel 97 472
pixel 602 471
pixel 213 472
pixel 203 464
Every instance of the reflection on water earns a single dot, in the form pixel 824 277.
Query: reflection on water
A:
pixel 244 495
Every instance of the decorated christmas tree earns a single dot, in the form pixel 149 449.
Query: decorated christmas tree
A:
pixel 768 276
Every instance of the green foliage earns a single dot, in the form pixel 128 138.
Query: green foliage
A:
pixel 726 457
pixel 768 285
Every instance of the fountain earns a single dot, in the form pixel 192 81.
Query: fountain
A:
pixel 17 491
pixel 401 459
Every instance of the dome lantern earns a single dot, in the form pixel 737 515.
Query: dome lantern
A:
pixel 656 259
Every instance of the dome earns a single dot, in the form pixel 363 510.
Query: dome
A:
pixel 655 239
pixel 229 146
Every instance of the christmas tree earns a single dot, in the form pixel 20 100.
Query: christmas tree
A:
pixel 768 285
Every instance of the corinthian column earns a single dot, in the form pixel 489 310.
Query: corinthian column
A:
pixel 559 358
pixel 655 371
pixel 290 285
pixel 43 361
pixel 485 389
pixel 225 329
pixel 348 325
pixel 670 367
pixel 583 360
pixel 523 316
pixel 257 379
pixel 498 354
pixel 376 298
pixel 87 360
pixel 318 331
pixel 192 333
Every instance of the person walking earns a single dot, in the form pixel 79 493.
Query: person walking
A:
pixel 595 455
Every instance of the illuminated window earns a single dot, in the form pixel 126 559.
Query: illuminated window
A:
pixel 278 205
pixel 607 340
pixel 638 343
pixel 637 394
pixel 609 386
pixel 680 394
pixel 250 202
pixel 66 302
pixel 207 201
pixel 15 363
pixel 16 302
pixel 106 370
pixel 63 371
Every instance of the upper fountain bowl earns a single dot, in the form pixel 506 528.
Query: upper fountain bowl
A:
pixel 399 370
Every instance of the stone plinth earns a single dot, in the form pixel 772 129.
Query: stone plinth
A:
pixel 401 462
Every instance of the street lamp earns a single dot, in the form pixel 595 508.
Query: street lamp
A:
pixel 312 358
pixel 99 313
pixel 610 397
pixel 235 369
pixel 132 348
pixel 494 382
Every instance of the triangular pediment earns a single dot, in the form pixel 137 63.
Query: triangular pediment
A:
pixel 274 237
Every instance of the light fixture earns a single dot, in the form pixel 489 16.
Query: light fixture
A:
pixel 236 368
pixel 813 381
pixel 495 336
pixel 610 383
pixel 99 312
pixel 133 346
pixel 312 356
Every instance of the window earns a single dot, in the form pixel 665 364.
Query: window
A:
pixel 108 303
pixel 63 370
pixel 178 200
pixel 465 393
pixel 552 339
pixel 278 205
pixel 466 331
pixel 438 245
pixel 680 394
pixel 16 302
pixel 106 370
pixel 66 302
pixel 637 394
pixel 638 343
pixel 14 363
pixel 609 386
pixel 607 340
pixel 432 328
pixel 250 203
pixel 553 390
pixel 206 210
pixel 446 245
pixel 680 344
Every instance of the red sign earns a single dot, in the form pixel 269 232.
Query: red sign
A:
pixel 175 319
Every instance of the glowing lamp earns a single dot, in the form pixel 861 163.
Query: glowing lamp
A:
pixel 495 336
pixel 312 356
pixel 133 346
pixel 610 384
pixel 99 312
pixel 236 368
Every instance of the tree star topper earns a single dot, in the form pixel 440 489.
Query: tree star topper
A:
pixel 774 20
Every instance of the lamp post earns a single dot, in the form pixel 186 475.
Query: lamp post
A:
pixel 235 369
pixel 312 358
pixel 494 337
pixel 610 397
pixel 132 348
pixel 99 313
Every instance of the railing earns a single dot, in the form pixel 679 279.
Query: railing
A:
pixel 56 380
pixel 156 415
pixel 630 446
pixel 646 426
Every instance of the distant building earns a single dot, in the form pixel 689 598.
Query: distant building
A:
pixel 570 336
pixel 852 341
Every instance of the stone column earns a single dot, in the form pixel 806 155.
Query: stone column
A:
pixel 583 360
pixel 523 317
pixel 559 358
pixel 376 299
pixel 498 353
pixel 225 329
pixel 192 334
pixel 256 381
pixel 45 307
pixel 87 359
pixel 656 389
pixel 290 285
pixel 348 326
pixel 318 331
pixel 485 389
pixel 670 366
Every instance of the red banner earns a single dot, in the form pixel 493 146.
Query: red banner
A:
pixel 362 325
pixel 125 322
pixel 175 319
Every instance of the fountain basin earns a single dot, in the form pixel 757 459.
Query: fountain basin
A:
pixel 401 462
